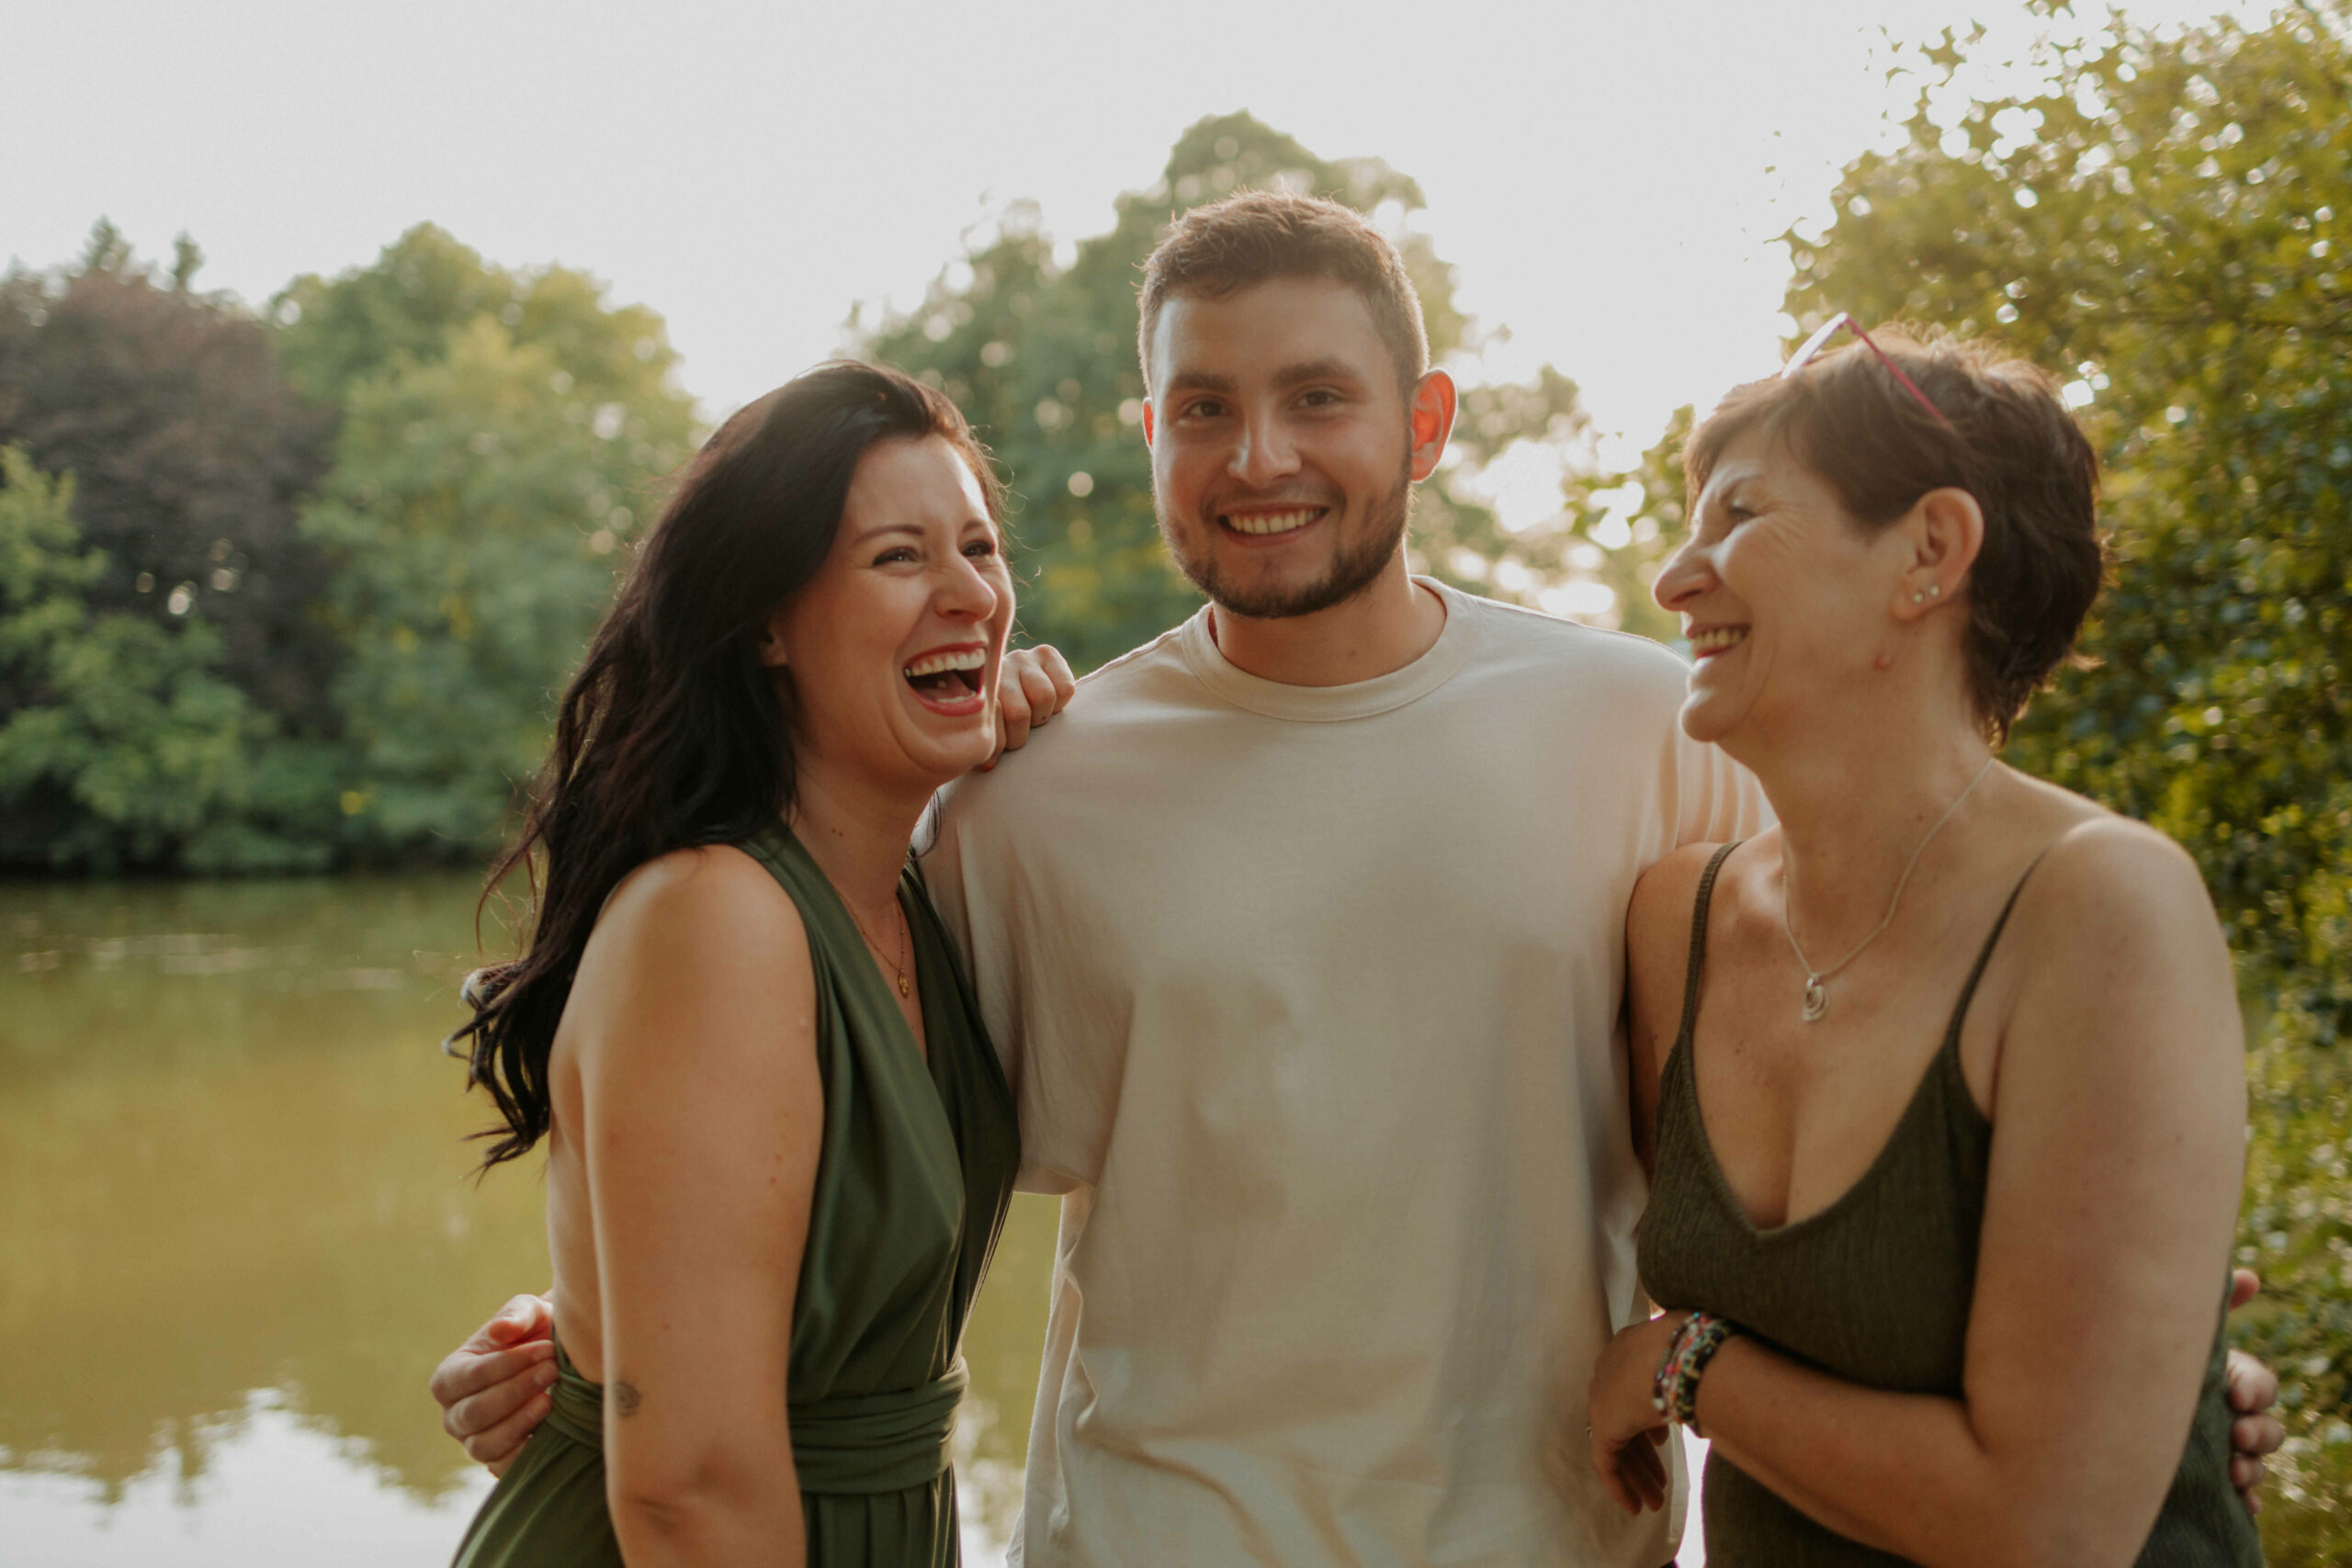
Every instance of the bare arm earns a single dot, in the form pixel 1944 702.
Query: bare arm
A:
pixel 2120 1101
pixel 702 1116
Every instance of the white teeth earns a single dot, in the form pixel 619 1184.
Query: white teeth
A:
pixel 1716 638
pixel 1271 521
pixel 939 663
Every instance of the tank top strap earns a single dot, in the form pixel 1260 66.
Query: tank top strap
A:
pixel 1984 954
pixel 1699 938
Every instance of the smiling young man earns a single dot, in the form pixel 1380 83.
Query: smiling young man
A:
pixel 1303 936
pixel 1303 932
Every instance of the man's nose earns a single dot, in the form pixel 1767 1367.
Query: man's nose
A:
pixel 1264 455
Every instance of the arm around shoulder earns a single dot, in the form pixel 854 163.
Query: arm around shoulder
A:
pixel 703 1117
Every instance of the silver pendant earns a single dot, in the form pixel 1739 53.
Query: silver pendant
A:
pixel 1816 1000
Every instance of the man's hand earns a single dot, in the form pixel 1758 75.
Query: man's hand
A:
pixel 493 1388
pixel 2253 1390
pixel 1036 684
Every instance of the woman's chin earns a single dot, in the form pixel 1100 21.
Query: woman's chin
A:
pixel 949 746
pixel 1708 717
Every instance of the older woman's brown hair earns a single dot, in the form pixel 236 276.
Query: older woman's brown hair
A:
pixel 2012 443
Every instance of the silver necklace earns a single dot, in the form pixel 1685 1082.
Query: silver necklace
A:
pixel 1817 991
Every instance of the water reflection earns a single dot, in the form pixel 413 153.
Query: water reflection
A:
pixel 235 1217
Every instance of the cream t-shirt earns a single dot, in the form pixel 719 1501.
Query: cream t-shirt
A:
pixel 1310 997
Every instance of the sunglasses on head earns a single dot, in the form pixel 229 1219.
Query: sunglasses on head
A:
pixel 1828 330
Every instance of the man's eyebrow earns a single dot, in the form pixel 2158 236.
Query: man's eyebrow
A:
pixel 1200 382
pixel 1317 370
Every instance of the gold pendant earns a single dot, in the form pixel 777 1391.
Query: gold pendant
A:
pixel 905 987
pixel 1816 1000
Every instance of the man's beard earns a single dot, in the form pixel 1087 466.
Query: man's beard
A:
pixel 1354 568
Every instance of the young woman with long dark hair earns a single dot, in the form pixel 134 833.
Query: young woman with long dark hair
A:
pixel 779 1146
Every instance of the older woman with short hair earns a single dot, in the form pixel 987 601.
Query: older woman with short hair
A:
pixel 1945 1069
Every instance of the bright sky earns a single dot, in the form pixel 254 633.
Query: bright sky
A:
pixel 1605 178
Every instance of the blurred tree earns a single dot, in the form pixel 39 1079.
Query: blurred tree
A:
pixel 334 333
pixel 189 452
pixel 1628 522
pixel 1041 357
pixel 2163 224
pixel 502 436
pixel 122 743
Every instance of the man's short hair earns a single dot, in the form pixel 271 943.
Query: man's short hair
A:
pixel 1256 236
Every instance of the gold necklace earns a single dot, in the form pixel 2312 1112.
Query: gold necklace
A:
pixel 906 987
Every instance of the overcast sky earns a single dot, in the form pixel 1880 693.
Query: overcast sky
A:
pixel 1606 178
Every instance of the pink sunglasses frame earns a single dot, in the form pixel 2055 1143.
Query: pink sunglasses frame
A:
pixel 1828 330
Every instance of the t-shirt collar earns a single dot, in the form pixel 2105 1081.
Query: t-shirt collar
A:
pixel 1325 704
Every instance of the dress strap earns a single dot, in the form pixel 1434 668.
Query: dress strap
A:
pixel 1698 936
pixel 1984 954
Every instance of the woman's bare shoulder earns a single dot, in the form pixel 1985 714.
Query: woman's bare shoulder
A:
pixel 1659 919
pixel 2120 942
pixel 2106 877
pixel 708 883
pixel 696 928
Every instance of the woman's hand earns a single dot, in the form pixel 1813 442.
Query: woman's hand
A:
pixel 1627 1432
pixel 493 1389
pixel 1034 684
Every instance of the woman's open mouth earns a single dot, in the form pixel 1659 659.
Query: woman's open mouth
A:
pixel 947 680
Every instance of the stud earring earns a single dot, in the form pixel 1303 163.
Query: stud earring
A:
pixel 1935 589
pixel 1919 596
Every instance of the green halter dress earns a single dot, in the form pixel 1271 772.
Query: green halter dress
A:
pixel 1874 1289
pixel 912 1184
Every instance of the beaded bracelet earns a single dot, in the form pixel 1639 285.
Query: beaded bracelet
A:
pixel 1674 1394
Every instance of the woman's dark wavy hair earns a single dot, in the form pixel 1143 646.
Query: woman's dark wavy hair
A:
pixel 673 734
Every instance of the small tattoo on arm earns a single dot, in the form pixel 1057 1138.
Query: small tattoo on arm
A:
pixel 625 1399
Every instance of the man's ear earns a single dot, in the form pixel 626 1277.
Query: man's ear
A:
pixel 1430 416
pixel 1147 417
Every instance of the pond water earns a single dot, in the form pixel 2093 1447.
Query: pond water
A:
pixel 237 1230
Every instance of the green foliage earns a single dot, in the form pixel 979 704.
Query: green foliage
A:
pixel 2165 221
pixel 120 740
pixel 335 334
pixel 1041 357
pixel 217 652
pixel 501 436
pixel 1629 521
pixel 189 453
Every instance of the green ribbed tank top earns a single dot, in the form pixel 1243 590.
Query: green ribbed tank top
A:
pixel 1874 1289
pixel 912 1184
